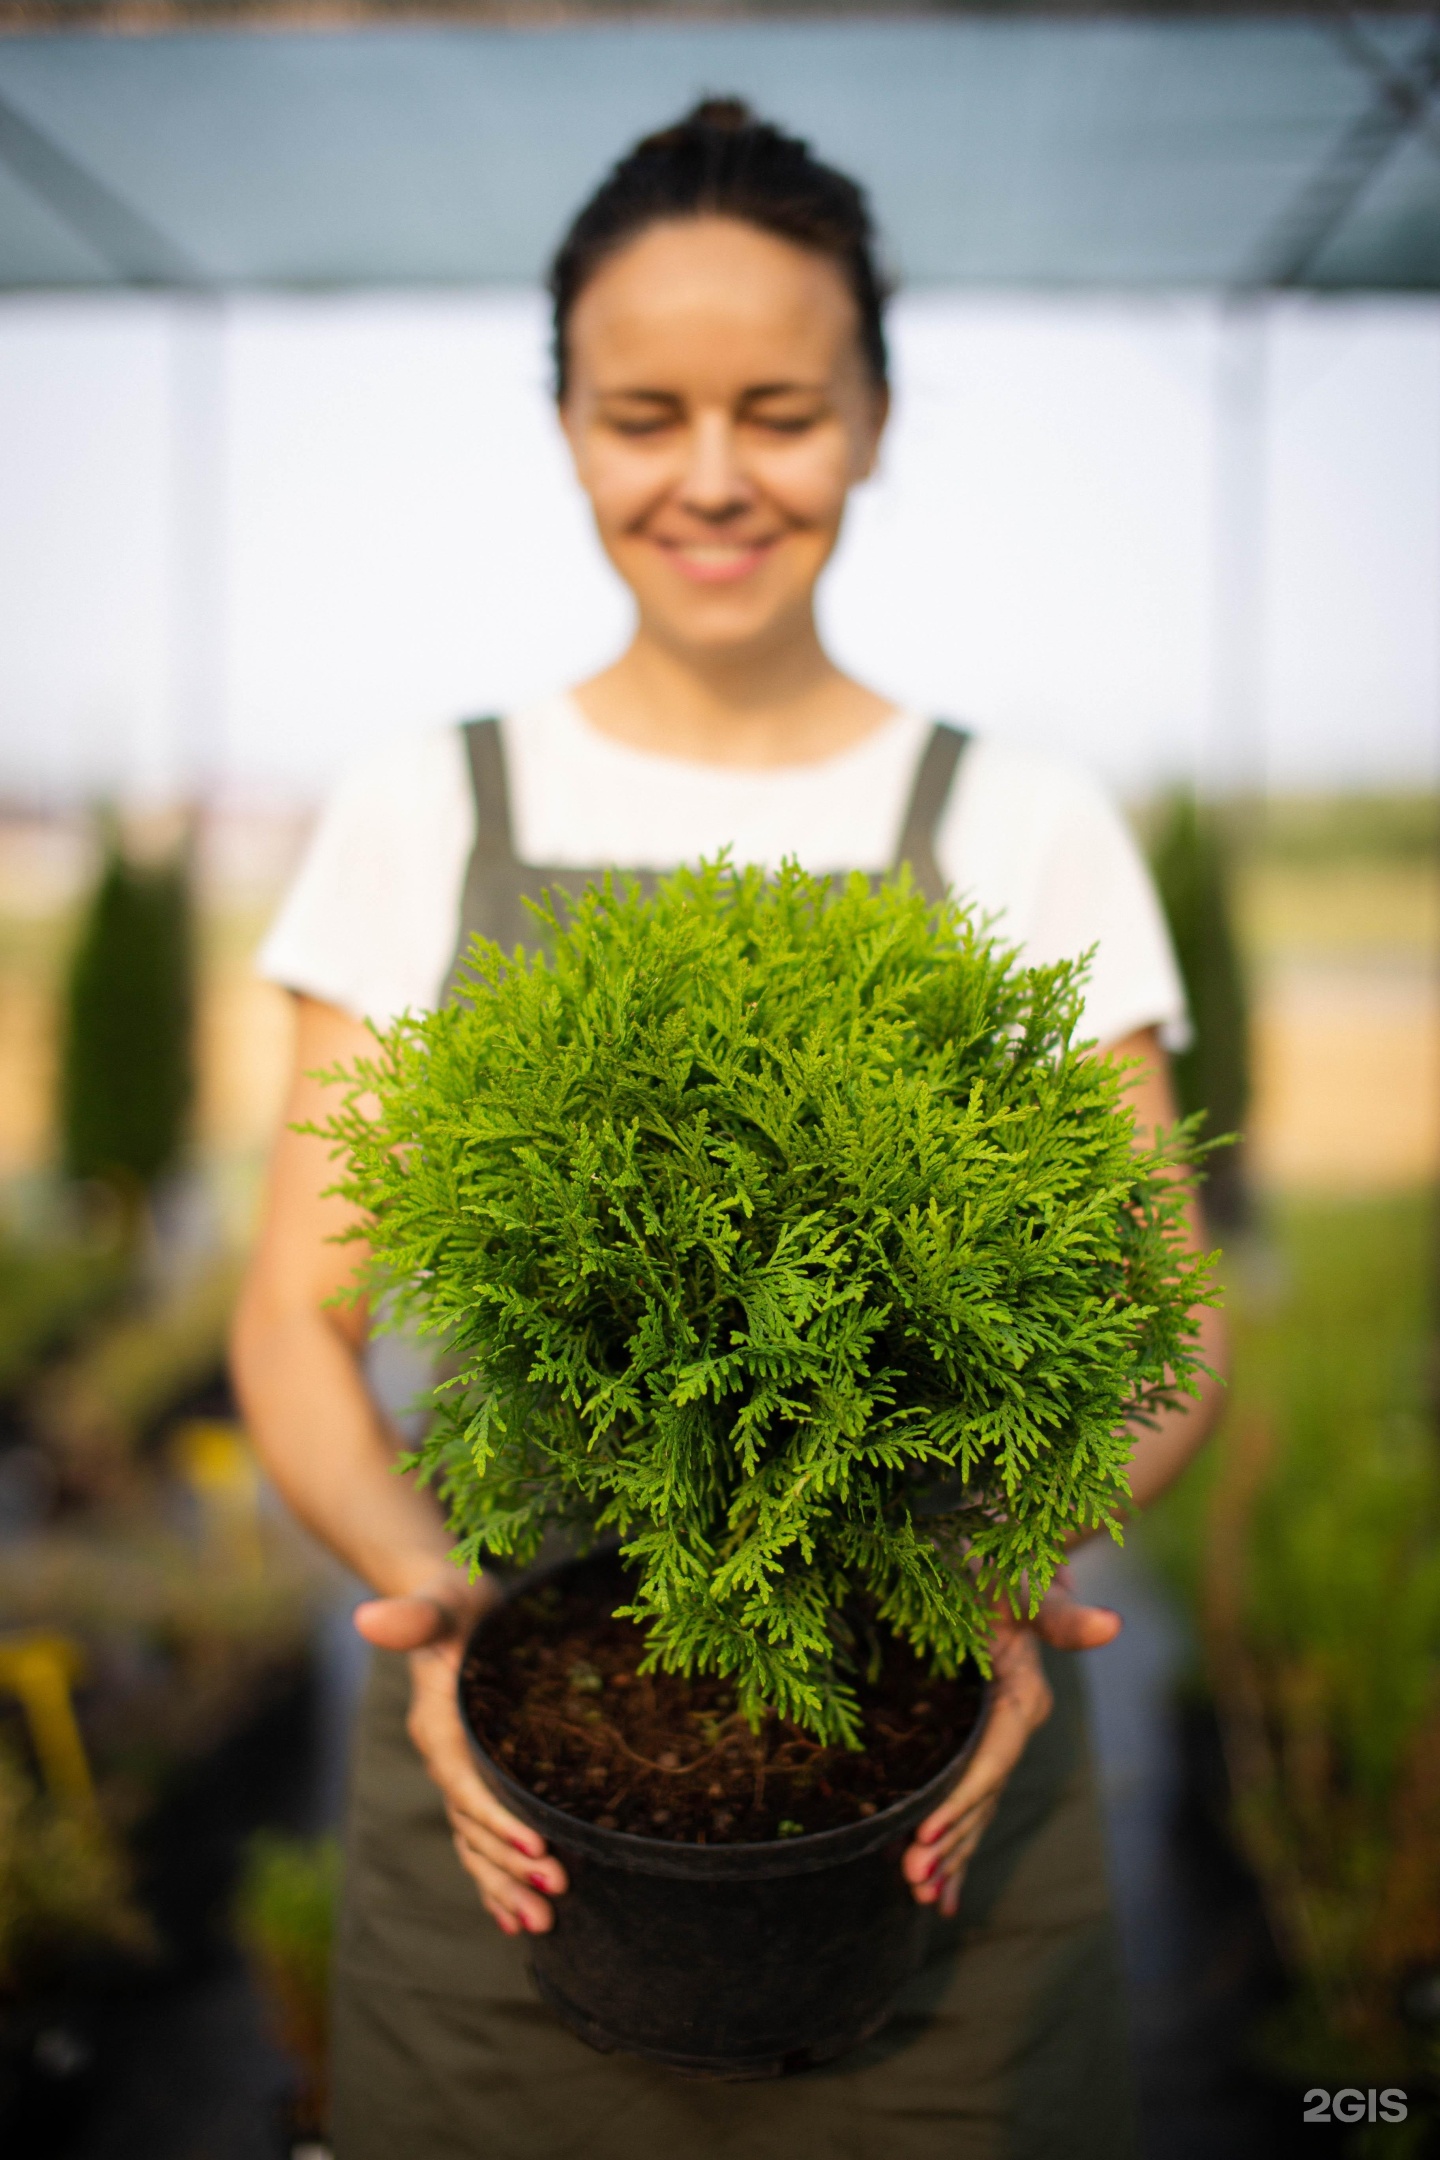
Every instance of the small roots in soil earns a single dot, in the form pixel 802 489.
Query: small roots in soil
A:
pixel 554 1693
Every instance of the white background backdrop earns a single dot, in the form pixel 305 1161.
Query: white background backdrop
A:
pixel 235 547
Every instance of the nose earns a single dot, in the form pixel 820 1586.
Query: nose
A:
pixel 715 486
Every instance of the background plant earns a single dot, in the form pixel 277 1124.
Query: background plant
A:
pixel 285 1916
pixel 64 1891
pixel 1192 860
pixel 785 1229
pixel 127 1075
pixel 1307 1551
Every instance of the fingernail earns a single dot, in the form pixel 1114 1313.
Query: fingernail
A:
pixel 538 1882
pixel 511 1927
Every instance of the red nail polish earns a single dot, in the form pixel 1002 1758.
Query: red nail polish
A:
pixel 538 1882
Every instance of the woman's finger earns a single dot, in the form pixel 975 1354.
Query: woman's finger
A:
pixel 514 1908
pixel 1066 1624
pixel 1022 1701
pixel 946 1862
pixel 546 1876
pixel 505 1859
pixel 971 1822
pixel 439 1738
pixel 403 1623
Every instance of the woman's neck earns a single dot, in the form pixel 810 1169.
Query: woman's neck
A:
pixel 792 707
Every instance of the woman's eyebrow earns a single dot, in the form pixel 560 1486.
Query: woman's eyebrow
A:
pixel 636 394
pixel 782 389
pixel 753 393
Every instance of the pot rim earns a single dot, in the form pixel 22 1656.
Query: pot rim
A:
pixel 808 1854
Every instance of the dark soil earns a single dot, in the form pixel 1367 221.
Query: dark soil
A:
pixel 553 1692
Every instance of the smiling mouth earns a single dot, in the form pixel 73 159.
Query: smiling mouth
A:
pixel 716 562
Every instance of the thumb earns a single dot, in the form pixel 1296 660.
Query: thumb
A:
pixel 403 1623
pixel 1066 1624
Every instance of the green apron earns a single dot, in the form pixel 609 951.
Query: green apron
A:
pixel 1008 2045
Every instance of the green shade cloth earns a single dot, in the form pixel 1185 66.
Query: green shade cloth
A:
pixel 1125 155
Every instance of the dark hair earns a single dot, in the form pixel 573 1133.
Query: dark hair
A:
pixel 720 160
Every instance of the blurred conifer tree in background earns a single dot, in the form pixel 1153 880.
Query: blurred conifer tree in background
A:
pixel 127 1077
pixel 1192 862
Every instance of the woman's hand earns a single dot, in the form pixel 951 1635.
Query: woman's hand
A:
pixel 935 1863
pixel 504 1857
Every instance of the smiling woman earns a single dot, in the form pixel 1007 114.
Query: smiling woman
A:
pixel 721 370
pixel 721 380
pixel 719 409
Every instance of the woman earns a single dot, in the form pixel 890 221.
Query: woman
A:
pixel 721 381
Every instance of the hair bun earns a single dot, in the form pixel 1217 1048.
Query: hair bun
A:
pixel 723 160
pixel 722 115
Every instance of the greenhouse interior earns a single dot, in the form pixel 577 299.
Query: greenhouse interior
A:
pixel 283 496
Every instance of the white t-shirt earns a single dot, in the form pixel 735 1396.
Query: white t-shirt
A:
pixel 371 920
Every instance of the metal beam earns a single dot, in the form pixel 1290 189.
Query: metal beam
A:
pixel 1401 108
pixel 137 251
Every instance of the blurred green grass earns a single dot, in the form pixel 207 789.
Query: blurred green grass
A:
pixel 1305 1549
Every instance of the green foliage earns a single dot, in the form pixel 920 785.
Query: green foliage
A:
pixel 1191 863
pixel 1345 1552
pixel 98 1406
pixel 1307 1550
pixel 782 1228
pixel 287 1902
pixel 48 1290
pixel 63 1887
pixel 127 1076
pixel 285 1916
pixel 1323 831
pixel 1341 1551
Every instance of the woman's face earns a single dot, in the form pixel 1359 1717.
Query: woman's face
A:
pixel 719 410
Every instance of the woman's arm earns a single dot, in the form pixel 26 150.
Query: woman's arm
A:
pixel 935 1863
pixel 1162 1450
pixel 296 1360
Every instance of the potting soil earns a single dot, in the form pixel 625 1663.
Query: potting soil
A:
pixel 554 1691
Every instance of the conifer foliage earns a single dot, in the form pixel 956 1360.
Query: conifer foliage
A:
pixel 782 1228
pixel 127 1075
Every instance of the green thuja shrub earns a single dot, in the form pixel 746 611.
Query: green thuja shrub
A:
pixel 1194 876
pixel 783 1229
pixel 127 1075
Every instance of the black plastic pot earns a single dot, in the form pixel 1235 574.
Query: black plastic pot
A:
pixel 733 1961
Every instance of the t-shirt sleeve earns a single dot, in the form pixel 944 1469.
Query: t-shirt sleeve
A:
pixel 1096 890
pixel 369 923
pixel 1041 846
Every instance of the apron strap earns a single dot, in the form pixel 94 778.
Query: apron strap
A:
pixel 493 849
pixel 934 779
pixel 485 754
pixel 494 880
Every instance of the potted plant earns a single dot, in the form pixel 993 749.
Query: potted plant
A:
pixel 70 1930
pixel 780 1233
pixel 285 1918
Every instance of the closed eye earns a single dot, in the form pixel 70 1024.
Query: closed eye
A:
pixel 641 423
pixel 783 423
